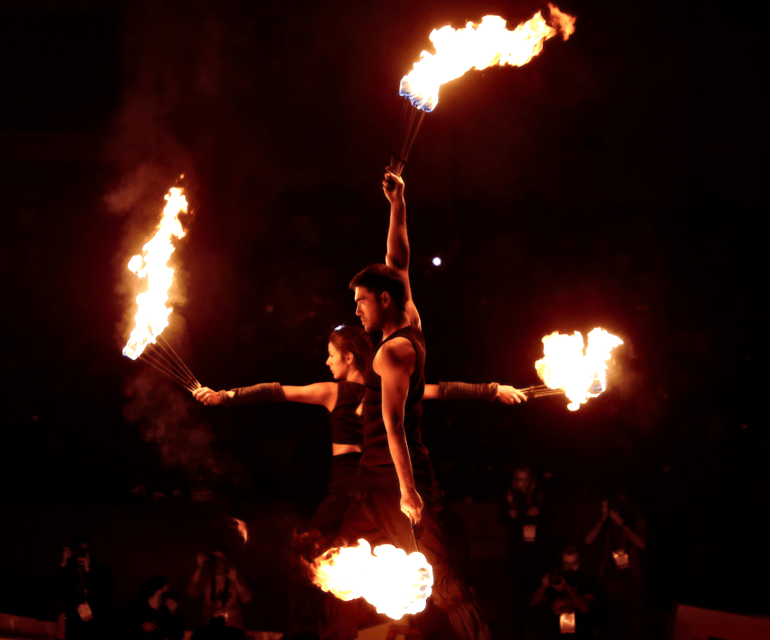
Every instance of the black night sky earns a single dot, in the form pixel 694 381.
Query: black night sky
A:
pixel 617 180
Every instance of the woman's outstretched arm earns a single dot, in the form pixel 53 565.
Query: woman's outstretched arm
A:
pixel 321 393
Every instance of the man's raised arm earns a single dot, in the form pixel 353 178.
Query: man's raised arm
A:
pixel 397 255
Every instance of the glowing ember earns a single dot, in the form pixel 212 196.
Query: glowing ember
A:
pixel 242 529
pixel 479 46
pixel 153 313
pixel 582 374
pixel 394 582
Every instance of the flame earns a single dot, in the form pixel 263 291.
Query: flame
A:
pixel 242 529
pixel 479 46
pixel 394 582
pixel 153 313
pixel 580 374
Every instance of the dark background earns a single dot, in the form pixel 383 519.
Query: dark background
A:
pixel 617 180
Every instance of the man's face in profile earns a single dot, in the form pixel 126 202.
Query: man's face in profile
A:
pixel 370 308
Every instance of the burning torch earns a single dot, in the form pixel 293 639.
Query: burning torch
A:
pixel 477 46
pixel 573 368
pixel 152 265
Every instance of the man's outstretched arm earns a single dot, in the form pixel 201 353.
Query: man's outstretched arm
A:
pixel 397 255
pixel 490 392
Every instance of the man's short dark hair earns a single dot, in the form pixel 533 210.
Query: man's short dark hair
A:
pixel 380 278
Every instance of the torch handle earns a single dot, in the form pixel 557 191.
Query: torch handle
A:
pixel 411 119
pixel 397 165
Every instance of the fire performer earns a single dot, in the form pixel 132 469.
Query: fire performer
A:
pixel 394 479
pixel 348 353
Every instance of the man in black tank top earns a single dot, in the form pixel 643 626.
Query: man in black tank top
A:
pixel 392 504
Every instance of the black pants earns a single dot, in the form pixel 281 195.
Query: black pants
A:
pixel 331 512
pixel 376 516
pixel 308 604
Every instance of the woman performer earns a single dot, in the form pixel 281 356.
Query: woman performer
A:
pixel 348 353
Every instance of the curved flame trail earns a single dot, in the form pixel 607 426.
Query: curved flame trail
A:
pixel 152 264
pixel 479 46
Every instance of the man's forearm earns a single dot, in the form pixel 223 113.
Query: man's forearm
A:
pixel 577 601
pixel 244 593
pixel 594 532
pixel 634 537
pixel 399 451
pixel 538 596
pixel 193 589
pixel 398 240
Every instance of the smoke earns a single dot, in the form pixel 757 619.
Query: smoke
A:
pixel 169 420
pixel 148 149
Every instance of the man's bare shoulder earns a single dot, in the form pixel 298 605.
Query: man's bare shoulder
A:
pixel 397 353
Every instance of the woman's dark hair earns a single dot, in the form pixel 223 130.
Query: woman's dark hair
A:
pixel 355 341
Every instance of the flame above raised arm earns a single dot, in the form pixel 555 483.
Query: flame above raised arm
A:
pixel 478 46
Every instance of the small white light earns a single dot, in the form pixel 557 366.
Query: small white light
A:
pixel 436 261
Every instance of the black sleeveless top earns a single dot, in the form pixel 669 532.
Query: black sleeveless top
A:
pixel 347 427
pixel 376 469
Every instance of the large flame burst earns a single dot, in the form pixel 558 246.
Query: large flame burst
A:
pixel 580 370
pixel 479 46
pixel 153 265
pixel 394 582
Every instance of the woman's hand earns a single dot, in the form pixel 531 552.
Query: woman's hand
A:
pixel 207 396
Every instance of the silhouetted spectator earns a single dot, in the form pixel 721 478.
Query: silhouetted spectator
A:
pixel 85 586
pixel 223 591
pixel 565 601
pixel 154 616
pixel 526 549
pixel 619 537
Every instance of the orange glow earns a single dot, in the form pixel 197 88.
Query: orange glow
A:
pixel 394 582
pixel 242 529
pixel 152 265
pixel 580 372
pixel 479 46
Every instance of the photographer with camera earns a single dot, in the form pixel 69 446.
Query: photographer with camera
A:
pixel 223 591
pixel 619 537
pixel 564 602
pixel 154 616
pixel 85 586
pixel 522 513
